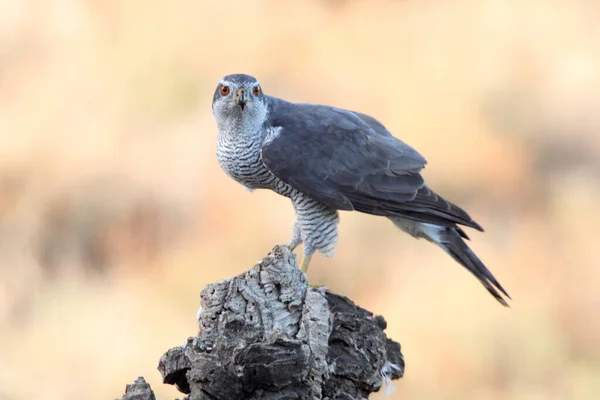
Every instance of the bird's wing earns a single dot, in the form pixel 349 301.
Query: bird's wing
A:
pixel 350 162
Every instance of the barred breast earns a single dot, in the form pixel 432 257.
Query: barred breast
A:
pixel 316 224
pixel 241 160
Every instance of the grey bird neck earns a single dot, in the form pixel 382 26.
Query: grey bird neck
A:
pixel 239 144
pixel 244 128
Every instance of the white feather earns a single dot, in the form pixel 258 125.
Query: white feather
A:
pixel 387 369
pixel 419 229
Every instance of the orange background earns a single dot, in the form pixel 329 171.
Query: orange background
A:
pixel 114 213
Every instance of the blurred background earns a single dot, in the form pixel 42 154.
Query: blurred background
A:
pixel 114 213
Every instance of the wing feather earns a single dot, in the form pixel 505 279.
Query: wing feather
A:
pixel 349 161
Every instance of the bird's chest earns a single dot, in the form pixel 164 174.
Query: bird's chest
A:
pixel 241 161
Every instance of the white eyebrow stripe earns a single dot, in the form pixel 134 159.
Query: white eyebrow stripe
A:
pixel 228 83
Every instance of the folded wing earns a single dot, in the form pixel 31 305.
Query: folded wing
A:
pixel 349 161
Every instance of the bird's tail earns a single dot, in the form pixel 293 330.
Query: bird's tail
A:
pixel 450 239
pixel 452 243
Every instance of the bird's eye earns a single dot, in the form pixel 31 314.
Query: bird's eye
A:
pixel 256 90
pixel 224 90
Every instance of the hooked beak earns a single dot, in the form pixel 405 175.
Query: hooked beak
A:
pixel 241 98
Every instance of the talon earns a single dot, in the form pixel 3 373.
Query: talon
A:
pixel 317 286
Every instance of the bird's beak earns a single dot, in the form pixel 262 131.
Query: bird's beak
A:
pixel 241 99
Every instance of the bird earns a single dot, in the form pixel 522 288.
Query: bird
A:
pixel 327 159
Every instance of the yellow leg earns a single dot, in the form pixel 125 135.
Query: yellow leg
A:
pixel 305 263
pixel 304 268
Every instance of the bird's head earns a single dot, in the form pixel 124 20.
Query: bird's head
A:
pixel 239 99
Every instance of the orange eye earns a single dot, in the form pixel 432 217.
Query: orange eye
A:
pixel 256 90
pixel 224 90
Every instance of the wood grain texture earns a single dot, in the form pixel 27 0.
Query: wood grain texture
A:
pixel 266 334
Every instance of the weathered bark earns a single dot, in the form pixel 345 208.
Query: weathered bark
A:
pixel 266 334
pixel 138 390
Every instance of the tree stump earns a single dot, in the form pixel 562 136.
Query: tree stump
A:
pixel 266 334
pixel 138 390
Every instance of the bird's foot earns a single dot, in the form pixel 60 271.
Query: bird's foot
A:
pixel 317 286
pixel 291 246
pixel 304 268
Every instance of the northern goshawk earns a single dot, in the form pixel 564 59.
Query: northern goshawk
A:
pixel 327 159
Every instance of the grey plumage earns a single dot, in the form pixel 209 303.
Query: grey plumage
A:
pixel 327 159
